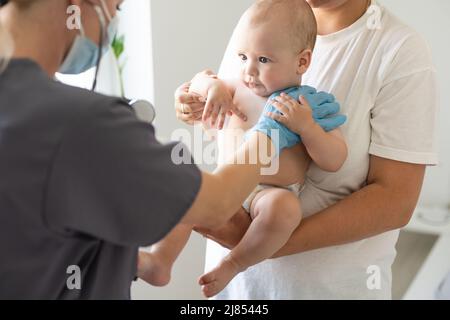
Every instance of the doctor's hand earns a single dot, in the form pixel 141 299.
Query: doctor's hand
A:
pixel 324 111
pixel 325 108
pixel 229 235
pixel 296 116
pixel 189 106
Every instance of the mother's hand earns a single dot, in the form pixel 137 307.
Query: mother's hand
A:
pixel 188 106
pixel 231 233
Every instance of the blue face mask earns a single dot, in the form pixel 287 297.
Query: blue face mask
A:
pixel 84 53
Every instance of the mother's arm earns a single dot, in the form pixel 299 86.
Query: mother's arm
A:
pixel 385 203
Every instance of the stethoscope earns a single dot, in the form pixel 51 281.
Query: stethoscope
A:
pixel 144 109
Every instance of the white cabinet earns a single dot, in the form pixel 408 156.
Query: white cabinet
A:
pixel 437 264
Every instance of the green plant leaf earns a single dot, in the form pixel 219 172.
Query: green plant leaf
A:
pixel 118 46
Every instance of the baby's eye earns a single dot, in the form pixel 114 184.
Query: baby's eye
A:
pixel 243 57
pixel 263 59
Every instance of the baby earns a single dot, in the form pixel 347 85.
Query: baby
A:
pixel 274 42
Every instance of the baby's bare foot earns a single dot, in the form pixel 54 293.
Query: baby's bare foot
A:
pixel 217 279
pixel 153 270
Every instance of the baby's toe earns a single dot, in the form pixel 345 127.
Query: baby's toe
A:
pixel 206 278
pixel 210 289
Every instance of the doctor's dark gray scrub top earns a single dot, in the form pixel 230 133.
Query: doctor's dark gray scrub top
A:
pixel 83 184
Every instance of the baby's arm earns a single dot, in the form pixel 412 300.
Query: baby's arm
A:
pixel 327 149
pixel 219 96
pixel 204 81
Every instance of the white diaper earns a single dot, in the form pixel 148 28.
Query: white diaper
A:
pixel 296 188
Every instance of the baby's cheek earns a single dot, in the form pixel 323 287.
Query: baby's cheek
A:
pixel 241 75
pixel 276 84
pixel 284 81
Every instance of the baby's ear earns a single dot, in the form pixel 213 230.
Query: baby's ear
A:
pixel 304 61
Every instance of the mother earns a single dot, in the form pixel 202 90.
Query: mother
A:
pixel 381 71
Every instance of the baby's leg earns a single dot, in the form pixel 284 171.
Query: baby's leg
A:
pixel 276 214
pixel 155 266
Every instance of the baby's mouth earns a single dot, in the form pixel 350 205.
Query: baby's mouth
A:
pixel 252 85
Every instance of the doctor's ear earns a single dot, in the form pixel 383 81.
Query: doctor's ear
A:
pixel 75 2
pixel 304 61
pixel 82 2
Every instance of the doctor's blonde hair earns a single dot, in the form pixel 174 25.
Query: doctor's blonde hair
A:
pixel 6 46
pixel 6 40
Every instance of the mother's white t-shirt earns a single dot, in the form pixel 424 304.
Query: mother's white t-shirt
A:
pixel 385 81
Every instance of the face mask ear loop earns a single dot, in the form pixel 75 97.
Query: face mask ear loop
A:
pixel 105 8
pixel 81 28
pixel 101 40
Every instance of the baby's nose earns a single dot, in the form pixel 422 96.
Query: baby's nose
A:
pixel 251 70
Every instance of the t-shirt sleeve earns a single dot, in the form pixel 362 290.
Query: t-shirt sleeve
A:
pixel 404 117
pixel 110 179
pixel 230 66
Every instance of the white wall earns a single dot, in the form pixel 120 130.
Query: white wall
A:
pixel 191 35
pixel 138 73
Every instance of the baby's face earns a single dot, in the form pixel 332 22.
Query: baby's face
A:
pixel 268 59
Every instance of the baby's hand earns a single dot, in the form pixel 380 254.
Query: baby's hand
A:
pixel 219 103
pixel 297 116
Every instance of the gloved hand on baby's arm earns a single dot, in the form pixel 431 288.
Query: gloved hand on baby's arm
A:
pixel 325 113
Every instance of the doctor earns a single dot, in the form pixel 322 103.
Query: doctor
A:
pixel 81 175
pixel 84 183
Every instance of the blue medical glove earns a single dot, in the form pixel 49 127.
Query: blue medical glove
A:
pixel 280 135
pixel 324 107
